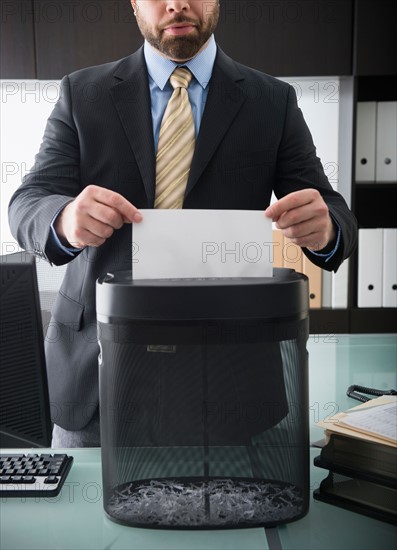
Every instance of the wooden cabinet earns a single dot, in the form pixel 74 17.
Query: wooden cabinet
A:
pixel 73 35
pixel 375 38
pixel 17 48
pixel 49 39
pixel 283 38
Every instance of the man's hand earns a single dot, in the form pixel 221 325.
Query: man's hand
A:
pixel 304 218
pixel 93 216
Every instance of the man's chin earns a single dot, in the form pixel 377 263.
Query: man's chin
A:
pixel 180 48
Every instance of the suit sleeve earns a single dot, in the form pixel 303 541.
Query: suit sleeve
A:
pixel 299 168
pixel 53 181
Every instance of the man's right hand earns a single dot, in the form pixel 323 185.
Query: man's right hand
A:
pixel 93 216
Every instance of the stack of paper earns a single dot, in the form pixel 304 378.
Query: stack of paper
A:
pixel 375 420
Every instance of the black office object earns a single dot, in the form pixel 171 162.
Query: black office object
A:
pixel 357 492
pixel 33 475
pixel 24 402
pixel 204 400
pixel 356 392
pixel 362 473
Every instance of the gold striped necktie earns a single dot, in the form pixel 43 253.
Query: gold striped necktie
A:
pixel 176 144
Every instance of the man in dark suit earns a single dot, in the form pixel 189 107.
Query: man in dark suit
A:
pixel 96 168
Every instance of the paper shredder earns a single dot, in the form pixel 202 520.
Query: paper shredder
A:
pixel 204 400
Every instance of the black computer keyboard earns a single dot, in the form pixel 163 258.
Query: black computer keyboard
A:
pixel 33 475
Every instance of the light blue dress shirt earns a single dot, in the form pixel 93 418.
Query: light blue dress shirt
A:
pixel 160 69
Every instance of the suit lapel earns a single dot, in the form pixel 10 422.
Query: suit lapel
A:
pixel 225 99
pixel 132 100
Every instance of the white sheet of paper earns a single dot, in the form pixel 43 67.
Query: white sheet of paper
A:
pixel 186 244
pixel 380 421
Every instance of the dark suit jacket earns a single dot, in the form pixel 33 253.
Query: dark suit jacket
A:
pixel 252 140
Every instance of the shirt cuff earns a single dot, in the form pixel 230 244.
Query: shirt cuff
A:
pixel 55 242
pixel 329 255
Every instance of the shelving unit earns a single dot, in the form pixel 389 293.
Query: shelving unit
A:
pixel 374 203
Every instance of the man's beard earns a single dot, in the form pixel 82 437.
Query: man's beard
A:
pixel 182 47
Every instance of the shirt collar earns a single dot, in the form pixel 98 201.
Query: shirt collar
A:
pixel 160 68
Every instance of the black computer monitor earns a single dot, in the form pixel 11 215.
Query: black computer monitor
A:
pixel 24 401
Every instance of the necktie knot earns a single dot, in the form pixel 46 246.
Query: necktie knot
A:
pixel 180 78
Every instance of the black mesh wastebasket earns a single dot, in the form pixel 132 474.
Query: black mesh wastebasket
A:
pixel 204 400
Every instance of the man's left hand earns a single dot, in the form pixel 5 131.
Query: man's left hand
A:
pixel 304 218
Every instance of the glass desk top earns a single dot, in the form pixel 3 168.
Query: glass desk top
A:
pixel 75 519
